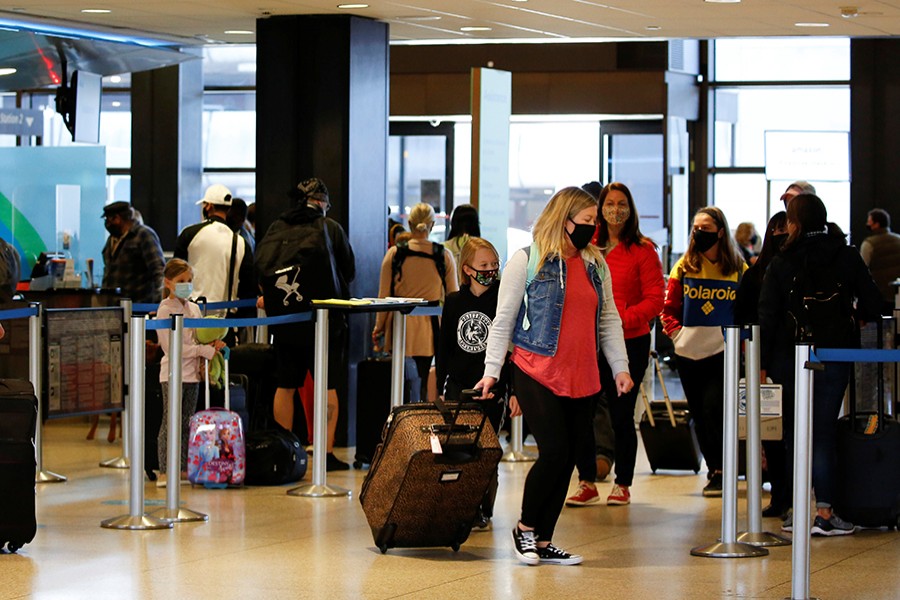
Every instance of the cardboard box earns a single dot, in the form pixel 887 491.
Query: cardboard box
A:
pixel 769 409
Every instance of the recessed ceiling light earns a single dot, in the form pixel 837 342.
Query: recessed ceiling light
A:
pixel 115 79
pixel 475 28
pixel 239 32
pixel 420 18
pixel 7 71
pixel 96 11
pixel 116 104
pixel 723 1
pixel 811 25
pixel 653 28
pixel 350 6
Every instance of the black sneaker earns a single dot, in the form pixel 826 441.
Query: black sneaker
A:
pixel 713 489
pixel 526 546
pixel 333 463
pixel 551 555
pixel 833 526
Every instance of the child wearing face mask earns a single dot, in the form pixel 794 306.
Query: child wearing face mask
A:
pixel 177 292
pixel 465 323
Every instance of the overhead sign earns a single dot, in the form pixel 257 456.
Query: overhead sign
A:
pixel 22 122
pixel 807 155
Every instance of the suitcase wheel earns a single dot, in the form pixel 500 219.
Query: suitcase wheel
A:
pixel 13 548
pixel 358 465
pixel 455 547
pixel 383 548
pixel 696 471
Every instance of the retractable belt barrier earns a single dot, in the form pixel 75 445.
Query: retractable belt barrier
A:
pixel 728 546
pixel 35 376
pixel 806 362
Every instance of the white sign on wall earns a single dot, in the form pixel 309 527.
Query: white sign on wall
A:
pixel 807 155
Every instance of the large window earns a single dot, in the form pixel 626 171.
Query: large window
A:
pixel 766 85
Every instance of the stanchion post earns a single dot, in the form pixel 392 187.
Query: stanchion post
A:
pixel 136 519
pixel 261 335
pixel 35 375
pixel 398 359
pixel 755 534
pixel 803 386
pixel 729 547
pixel 122 462
pixel 319 487
pixel 516 451
pixel 172 511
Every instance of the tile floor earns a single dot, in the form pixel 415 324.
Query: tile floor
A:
pixel 261 543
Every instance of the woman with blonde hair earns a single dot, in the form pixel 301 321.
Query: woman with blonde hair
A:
pixel 416 268
pixel 699 301
pixel 556 307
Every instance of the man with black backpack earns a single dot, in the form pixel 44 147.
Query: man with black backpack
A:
pixel 305 256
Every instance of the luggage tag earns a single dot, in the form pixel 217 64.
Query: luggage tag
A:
pixel 435 443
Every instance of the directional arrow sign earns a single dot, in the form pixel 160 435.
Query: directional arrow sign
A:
pixel 20 121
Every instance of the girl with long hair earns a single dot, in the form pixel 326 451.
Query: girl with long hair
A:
pixel 699 302
pixel 557 308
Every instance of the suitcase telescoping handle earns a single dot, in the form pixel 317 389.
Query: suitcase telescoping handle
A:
pixel 450 419
pixel 654 356
pixel 226 351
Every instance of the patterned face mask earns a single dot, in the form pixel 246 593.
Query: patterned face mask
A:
pixel 616 215
pixel 486 278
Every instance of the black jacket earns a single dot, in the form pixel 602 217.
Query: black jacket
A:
pixel 817 251
pixel 345 262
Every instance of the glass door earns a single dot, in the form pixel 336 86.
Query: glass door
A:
pixel 632 152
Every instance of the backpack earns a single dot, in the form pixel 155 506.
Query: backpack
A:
pixel 10 268
pixel 295 265
pixel 821 306
pixel 403 252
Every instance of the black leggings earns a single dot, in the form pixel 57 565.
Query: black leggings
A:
pixel 555 423
pixel 703 383
pixel 621 412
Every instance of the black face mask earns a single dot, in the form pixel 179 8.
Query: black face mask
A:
pixel 704 240
pixel 113 229
pixel 779 239
pixel 582 234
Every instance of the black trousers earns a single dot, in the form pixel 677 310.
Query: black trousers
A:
pixel 703 382
pixel 556 423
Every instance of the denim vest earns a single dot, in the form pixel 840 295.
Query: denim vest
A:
pixel 537 325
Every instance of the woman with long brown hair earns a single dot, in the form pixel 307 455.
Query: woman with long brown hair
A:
pixel 699 302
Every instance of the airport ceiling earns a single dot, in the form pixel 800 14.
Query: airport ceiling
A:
pixel 206 21
pixel 109 37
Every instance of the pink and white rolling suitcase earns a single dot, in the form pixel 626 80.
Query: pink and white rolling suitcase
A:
pixel 216 454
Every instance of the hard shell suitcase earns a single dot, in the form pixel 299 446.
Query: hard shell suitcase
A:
pixel 373 406
pixel 868 451
pixel 668 433
pixel 216 453
pixel 18 418
pixel 429 475
pixel 274 457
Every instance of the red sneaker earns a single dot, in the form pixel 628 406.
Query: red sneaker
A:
pixel 619 496
pixel 585 496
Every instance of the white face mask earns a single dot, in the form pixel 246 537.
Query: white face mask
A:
pixel 184 290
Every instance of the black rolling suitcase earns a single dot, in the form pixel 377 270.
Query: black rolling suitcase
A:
pixel 18 418
pixel 668 433
pixel 374 402
pixel 868 450
pixel 430 475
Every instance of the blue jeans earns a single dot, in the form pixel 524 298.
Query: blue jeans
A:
pixel 828 396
